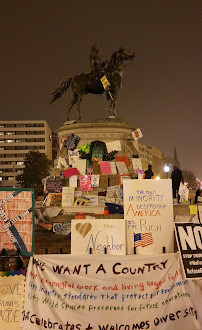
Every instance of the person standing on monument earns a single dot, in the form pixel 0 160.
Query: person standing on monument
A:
pixel 176 177
pixel 148 174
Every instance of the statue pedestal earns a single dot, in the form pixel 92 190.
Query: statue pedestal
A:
pixel 107 130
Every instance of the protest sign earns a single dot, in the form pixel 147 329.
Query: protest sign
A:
pixel 105 167
pixel 62 228
pixel 17 219
pixel 80 164
pixel 73 156
pixel 137 165
pixel 148 208
pixel 11 299
pixel 95 178
pixel 98 235
pixel 54 184
pixel 67 196
pixel 190 247
pixel 54 200
pixel 122 168
pixel 137 134
pixel 73 181
pixel 109 293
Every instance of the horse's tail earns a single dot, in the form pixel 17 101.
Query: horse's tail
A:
pixel 64 84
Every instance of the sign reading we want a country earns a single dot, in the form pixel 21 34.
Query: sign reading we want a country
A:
pixel 17 220
pixel 96 292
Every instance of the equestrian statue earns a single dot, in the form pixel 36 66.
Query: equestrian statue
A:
pixel 105 77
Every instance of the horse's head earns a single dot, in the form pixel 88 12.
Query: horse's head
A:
pixel 125 54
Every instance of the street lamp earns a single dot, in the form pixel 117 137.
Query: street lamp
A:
pixel 166 169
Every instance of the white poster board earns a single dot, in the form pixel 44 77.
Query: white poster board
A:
pixel 148 209
pixel 98 234
pixel 67 196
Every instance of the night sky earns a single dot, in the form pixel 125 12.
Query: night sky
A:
pixel 44 41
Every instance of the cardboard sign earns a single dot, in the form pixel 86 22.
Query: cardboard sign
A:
pixel 113 167
pixel 122 168
pixel 73 181
pixel 193 209
pixel 67 196
pixel 93 200
pixel 12 300
pixel 137 134
pixel 114 180
pixel 109 293
pixel 148 208
pixel 98 235
pixel 80 164
pixel 113 145
pixel 85 183
pixel 17 220
pixel 190 246
pixel 95 178
pixel 54 184
pixel 122 159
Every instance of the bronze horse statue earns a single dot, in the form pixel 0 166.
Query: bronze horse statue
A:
pixel 90 83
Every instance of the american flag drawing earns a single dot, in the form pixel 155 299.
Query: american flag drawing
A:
pixel 143 239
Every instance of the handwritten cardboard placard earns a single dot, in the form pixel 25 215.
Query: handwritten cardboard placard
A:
pixel 109 293
pixel 113 167
pixel 122 168
pixel 73 181
pixel 85 183
pixel 17 219
pixel 113 145
pixel 114 180
pixel 97 235
pixel 12 300
pixel 123 159
pixel 104 181
pixel 149 204
pixel 93 200
pixel 67 196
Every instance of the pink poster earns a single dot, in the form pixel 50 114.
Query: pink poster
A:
pixel 105 168
pixel 17 220
pixel 85 183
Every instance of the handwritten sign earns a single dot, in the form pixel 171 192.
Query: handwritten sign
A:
pixel 105 168
pixel 95 178
pixel 54 184
pixel 137 134
pixel 122 168
pixel 67 196
pixel 80 164
pixel 148 208
pixel 62 228
pixel 11 301
pixel 17 219
pixel 109 293
pixel 190 246
pixel 98 235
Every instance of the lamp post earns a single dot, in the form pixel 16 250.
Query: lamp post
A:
pixel 166 169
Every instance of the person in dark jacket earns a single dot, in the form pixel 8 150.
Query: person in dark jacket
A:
pixel 148 174
pixel 176 177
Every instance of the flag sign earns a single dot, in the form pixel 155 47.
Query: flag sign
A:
pixel 143 239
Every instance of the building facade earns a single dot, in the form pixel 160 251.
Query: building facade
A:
pixel 17 139
pixel 151 155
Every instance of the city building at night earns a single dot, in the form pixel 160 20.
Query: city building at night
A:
pixel 17 139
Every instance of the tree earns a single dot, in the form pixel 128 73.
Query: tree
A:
pixel 37 167
pixel 190 178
